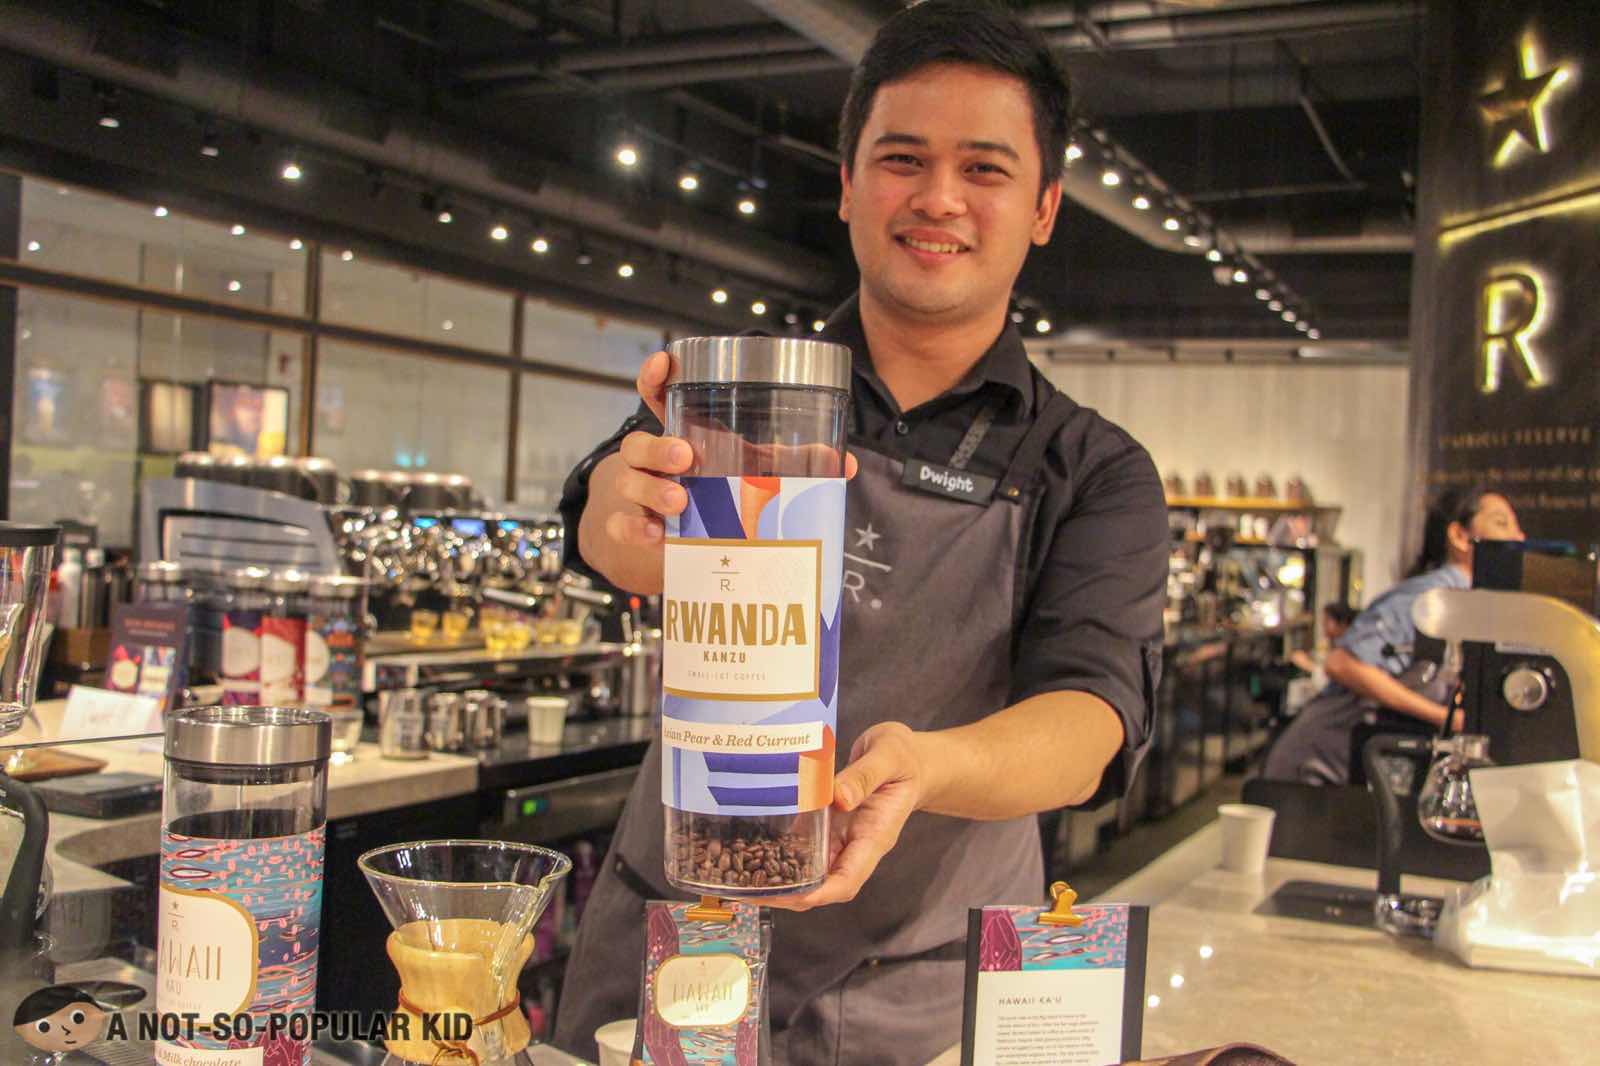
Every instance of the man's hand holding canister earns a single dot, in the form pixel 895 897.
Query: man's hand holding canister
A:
pixel 631 493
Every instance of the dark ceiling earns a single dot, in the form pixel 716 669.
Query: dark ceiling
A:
pixel 1302 114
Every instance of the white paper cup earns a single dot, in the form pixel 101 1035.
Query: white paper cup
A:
pixel 1246 835
pixel 547 717
pixel 616 1041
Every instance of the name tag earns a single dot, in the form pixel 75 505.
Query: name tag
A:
pixel 947 482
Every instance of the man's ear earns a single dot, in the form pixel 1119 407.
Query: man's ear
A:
pixel 1044 217
pixel 844 193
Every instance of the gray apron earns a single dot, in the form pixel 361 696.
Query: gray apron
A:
pixel 931 607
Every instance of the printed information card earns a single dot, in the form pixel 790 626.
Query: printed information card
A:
pixel 1054 995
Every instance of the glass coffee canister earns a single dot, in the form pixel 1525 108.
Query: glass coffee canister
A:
pixel 243 813
pixel 752 603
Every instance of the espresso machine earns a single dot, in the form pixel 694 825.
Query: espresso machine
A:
pixel 1528 642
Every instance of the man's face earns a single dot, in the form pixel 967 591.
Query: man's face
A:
pixel 73 1026
pixel 944 200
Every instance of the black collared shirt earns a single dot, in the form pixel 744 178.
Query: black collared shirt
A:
pixel 1094 579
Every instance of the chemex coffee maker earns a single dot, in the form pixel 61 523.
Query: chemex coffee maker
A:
pixel 1527 640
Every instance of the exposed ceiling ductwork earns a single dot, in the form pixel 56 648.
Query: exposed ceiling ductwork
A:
pixel 312 112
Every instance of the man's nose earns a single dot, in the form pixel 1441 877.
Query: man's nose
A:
pixel 940 195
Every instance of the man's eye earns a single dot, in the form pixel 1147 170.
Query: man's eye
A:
pixel 43 1026
pixel 909 159
pixel 78 1017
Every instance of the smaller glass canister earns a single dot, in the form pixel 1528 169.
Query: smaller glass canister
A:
pixel 283 639
pixel 161 581
pixel 245 602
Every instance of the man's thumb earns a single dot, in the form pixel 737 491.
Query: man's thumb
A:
pixel 862 778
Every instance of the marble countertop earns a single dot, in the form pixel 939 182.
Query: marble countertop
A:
pixel 1317 992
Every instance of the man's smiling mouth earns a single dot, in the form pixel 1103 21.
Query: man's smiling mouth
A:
pixel 932 246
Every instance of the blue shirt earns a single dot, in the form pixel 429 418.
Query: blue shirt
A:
pixel 1383 634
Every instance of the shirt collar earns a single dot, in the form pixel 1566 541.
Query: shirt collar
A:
pixel 1005 364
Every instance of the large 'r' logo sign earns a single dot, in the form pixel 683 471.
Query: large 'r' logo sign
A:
pixel 1510 312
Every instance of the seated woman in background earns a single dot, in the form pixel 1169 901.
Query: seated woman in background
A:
pixel 1373 665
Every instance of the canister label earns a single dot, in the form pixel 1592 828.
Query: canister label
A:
pixel 333 662
pixel 237 932
pixel 751 612
pixel 241 658
pixel 282 654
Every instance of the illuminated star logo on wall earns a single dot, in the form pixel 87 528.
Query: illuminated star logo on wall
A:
pixel 1515 110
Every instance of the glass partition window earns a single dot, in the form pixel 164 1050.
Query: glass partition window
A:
pixel 95 236
pixel 108 395
pixel 587 341
pixel 409 303
pixel 561 422
pixel 385 411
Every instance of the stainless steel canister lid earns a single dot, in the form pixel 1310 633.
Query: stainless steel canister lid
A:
pixel 336 586
pixel 160 572
pixel 249 736
pixel 794 361
pixel 248 577
pixel 287 581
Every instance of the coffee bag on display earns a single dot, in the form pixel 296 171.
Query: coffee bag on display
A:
pixel 703 986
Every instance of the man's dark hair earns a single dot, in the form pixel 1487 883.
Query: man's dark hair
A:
pixel 963 31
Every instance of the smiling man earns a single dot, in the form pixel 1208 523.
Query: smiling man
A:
pixel 1006 566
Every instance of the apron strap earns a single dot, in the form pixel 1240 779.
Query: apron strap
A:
pixel 1025 461
pixel 974 435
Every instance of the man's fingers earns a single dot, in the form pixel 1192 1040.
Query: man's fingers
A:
pixel 637 529
pixel 652 493
pixel 652 383
pixel 646 451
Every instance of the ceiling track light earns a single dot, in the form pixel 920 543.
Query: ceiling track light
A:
pixel 1073 152
pixel 1141 202
pixel 1214 255
pixel 759 307
pixel 238 230
pixel 624 270
pixel 161 211
pixel 584 257
pixel 291 170
pixel 1171 224
pixel 689 177
pixel 719 295
pixel 499 232
pixel 1288 315
pixel 1042 326
pixel 818 325
pixel 539 245
pixel 1314 334
pixel 1263 294
pixel 627 153
pixel 1241 276
pixel 108 117
pixel 1192 237
pixel 1276 305
pixel 1111 177
pixel 747 204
